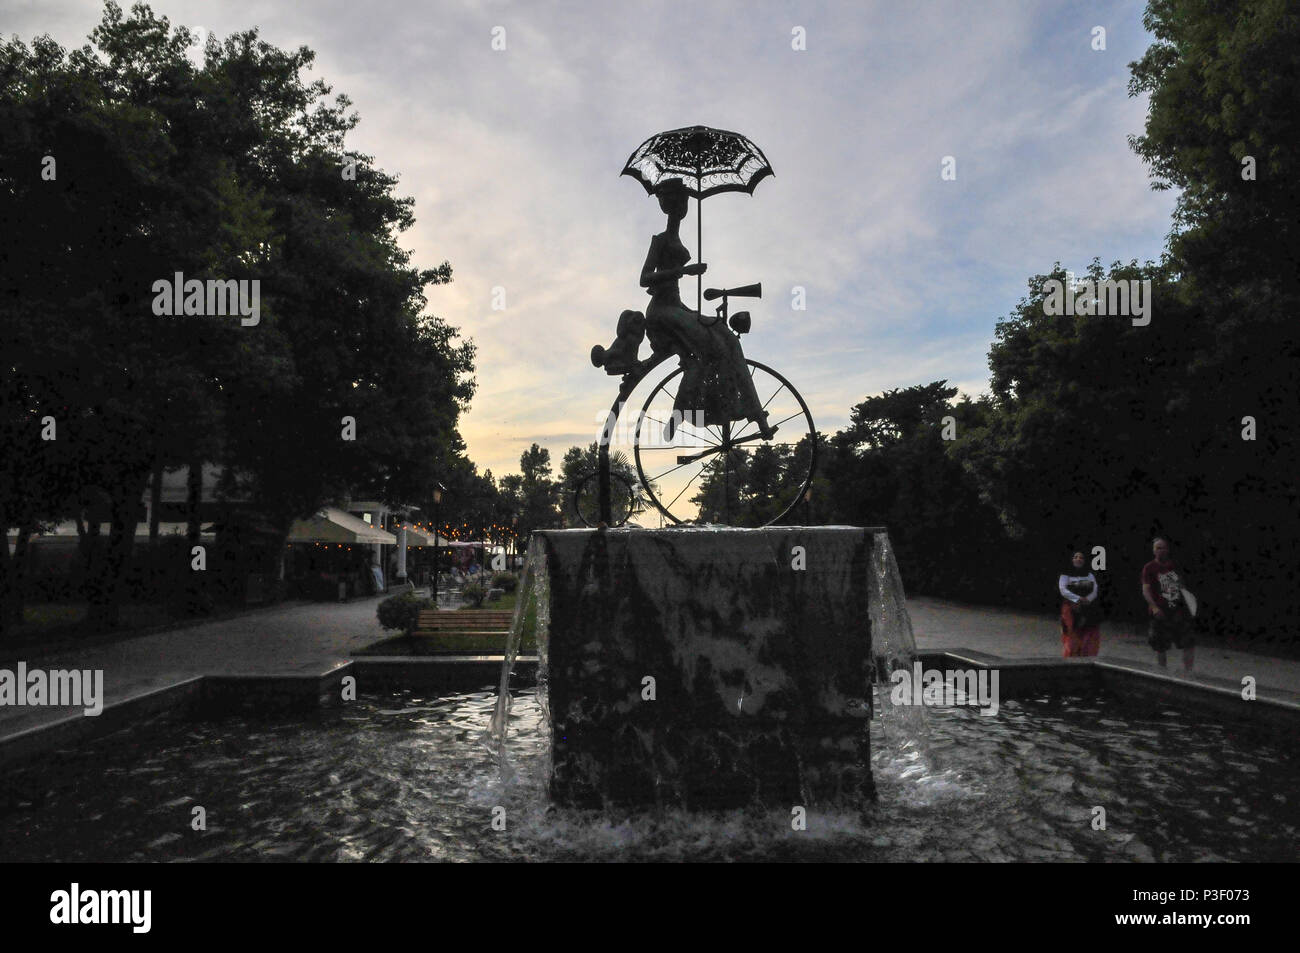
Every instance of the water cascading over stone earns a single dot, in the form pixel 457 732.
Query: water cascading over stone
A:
pixel 711 667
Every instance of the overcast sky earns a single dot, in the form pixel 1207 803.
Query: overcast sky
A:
pixel 513 157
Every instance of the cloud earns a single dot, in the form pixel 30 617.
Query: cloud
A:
pixel 513 159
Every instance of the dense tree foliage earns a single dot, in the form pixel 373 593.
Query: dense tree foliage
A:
pixel 531 495
pixel 1223 80
pixel 122 164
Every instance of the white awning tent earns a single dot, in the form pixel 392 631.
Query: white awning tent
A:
pixel 424 537
pixel 332 525
pixel 414 537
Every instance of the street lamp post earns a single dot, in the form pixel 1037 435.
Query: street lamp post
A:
pixel 438 489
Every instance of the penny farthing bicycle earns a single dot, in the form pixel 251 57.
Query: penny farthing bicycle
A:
pixel 694 469
pixel 693 472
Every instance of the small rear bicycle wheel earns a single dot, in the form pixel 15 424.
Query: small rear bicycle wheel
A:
pixel 623 499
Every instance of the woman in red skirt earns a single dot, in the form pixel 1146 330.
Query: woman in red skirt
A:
pixel 1080 615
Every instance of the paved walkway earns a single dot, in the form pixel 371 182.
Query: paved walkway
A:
pixel 297 640
pixel 938 624
pixel 313 638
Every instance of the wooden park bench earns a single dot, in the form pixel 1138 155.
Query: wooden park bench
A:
pixel 464 622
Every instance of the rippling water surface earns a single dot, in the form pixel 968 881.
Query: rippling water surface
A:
pixel 404 777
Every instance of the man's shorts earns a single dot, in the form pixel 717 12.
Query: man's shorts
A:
pixel 1174 629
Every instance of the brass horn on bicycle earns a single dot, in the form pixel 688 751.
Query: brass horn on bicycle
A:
pixel 745 291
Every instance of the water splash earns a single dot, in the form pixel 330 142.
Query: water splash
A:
pixel 894 645
pixel 535 592
pixel 893 642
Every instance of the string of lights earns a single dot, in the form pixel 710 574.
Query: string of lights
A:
pixel 448 531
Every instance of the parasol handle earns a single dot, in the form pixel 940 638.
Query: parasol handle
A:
pixel 699 246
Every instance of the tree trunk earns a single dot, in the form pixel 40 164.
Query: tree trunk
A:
pixel 6 578
pixel 158 575
pixel 194 497
pixel 193 584
pixel 280 582
pixel 18 574
pixel 105 608
pixel 88 553
pixel 120 537
pixel 155 501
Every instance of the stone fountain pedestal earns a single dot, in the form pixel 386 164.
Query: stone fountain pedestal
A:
pixel 709 668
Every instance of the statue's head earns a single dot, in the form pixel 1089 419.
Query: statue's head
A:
pixel 631 322
pixel 673 197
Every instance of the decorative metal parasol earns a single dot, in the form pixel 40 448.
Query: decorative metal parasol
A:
pixel 718 161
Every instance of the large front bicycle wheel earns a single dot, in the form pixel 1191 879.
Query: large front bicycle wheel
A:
pixel 727 474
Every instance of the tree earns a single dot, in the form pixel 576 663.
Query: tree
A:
pixel 892 467
pixel 1221 127
pixel 1222 80
pixel 229 171
pixel 99 203
pixel 352 340
pixel 1085 425
pixel 475 500
pixel 535 494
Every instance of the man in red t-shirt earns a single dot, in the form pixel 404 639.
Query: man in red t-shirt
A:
pixel 1171 622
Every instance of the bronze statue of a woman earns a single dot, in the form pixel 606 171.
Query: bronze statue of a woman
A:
pixel 715 377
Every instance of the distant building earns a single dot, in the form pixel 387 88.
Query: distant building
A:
pixel 371 523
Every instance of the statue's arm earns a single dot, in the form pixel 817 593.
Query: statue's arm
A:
pixel 651 273
pixel 651 258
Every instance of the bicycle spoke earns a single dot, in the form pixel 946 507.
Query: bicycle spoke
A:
pixel 695 431
pixel 677 449
pixel 673 470
pixel 664 423
pixel 685 488
pixel 773 397
pixel 750 423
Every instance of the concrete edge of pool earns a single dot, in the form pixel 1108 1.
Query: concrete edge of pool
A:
pixel 212 695
pixel 1271 708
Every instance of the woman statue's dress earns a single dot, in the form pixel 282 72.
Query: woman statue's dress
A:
pixel 715 377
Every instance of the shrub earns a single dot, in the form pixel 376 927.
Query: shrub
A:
pixel 505 580
pixel 190 600
pixel 402 611
pixel 474 593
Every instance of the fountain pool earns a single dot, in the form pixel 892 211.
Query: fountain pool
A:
pixel 405 777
